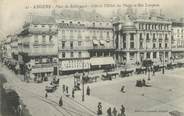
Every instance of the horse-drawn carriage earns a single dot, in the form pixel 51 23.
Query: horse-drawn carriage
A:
pixel 51 88
pixel 126 72
pixel 53 85
pixel 140 70
pixel 109 75
pixel 170 66
pixel 90 78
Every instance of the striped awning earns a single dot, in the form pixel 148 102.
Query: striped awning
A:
pixel 102 61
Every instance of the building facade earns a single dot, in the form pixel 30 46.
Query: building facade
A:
pixel 177 39
pixel 82 37
pixel 38 46
pixel 142 38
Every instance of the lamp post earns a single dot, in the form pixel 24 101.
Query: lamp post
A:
pixel 83 88
pixel 163 69
pixel 149 73
pixel 83 76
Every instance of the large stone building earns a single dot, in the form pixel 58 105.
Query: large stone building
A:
pixel 81 40
pixel 37 45
pixel 140 38
pixel 178 39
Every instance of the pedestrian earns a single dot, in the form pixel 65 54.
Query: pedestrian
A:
pixel 153 72
pixel 46 95
pixel 114 112
pixel 63 88
pixel 61 101
pixel 73 93
pixel 122 110
pixel 67 89
pixel 143 82
pixel 99 112
pixel 109 113
pixel 123 89
pixel 88 91
pixel 20 110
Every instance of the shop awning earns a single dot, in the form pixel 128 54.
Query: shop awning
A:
pixel 102 61
pixel 95 42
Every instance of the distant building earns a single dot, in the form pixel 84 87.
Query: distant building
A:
pixel 178 39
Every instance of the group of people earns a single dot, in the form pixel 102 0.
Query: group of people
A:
pixel 141 83
pixel 111 112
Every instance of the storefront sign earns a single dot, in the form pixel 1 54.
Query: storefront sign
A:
pixel 74 64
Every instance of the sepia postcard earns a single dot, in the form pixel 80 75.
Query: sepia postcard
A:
pixel 91 57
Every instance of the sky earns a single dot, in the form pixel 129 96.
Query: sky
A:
pixel 13 12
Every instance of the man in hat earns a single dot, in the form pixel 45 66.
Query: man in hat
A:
pixel 122 110
pixel 61 101
pixel 99 112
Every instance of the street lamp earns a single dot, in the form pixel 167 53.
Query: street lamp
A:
pixel 83 87
pixel 83 76
pixel 163 69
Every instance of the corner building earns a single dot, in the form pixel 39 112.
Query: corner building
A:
pixel 142 38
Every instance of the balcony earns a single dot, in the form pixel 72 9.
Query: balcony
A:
pixel 36 30
pixel 44 65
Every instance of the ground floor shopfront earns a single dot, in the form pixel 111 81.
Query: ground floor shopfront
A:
pixel 67 66
pixel 136 57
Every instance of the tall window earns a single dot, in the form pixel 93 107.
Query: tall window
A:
pixel 132 37
pixel 160 45
pixel 80 55
pixel 79 43
pixel 154 55
pixel 140 36
pixel 63 55
pixel 132 45
pixel 124 40
pixel 71 44
pixel 141 45
pixel 108 35
pixel 166 37
pixel 50 38
pixel 148 55
pixel 63 44
pixel 166 45
pixel 43 38
pixel 147 36
pixel 153 35
pixel 154 45
pixel 36 38
pixel 71 54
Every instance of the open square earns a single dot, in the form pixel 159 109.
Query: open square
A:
pixel 165 94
